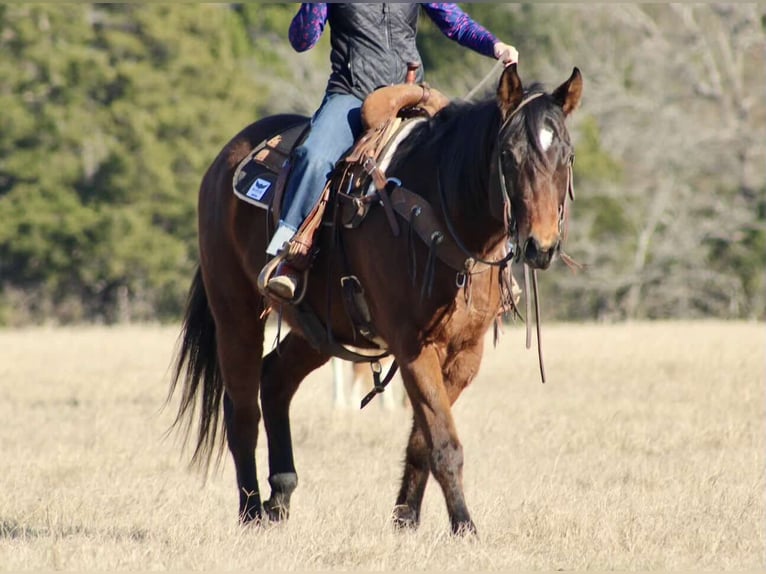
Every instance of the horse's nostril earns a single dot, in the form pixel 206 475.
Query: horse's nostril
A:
pixel 536 256
pixel 531 249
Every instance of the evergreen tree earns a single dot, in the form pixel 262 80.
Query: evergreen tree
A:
pixel 111 113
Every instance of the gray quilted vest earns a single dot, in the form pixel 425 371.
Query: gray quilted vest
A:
pixel 371 45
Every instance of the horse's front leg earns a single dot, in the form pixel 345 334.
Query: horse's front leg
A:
pixel 431 404
pixel 416 469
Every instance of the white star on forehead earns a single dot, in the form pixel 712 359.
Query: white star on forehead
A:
pixel 546 138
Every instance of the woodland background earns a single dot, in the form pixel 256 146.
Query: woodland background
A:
pixel 110 114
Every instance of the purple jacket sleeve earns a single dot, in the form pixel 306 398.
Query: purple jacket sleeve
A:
pixel 458 26
pixel 307 25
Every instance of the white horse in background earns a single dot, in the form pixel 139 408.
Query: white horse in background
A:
pixel 352 381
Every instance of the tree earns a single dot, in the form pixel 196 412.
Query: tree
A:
pixel 676 92
pixel 111 115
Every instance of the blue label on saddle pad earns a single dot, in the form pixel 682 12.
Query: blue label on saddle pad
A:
pixel 258 189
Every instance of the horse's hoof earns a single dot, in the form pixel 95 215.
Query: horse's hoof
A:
pixel 282 486
pixel 276 509
pixel 405 517
pixel 464 528
pixel 251 517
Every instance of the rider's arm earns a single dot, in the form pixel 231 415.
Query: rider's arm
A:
pixel 458 26
pixel 307 25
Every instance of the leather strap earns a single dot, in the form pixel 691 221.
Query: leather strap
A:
pixel 379 385
pixel 315 333
pixel 357 309
pixel 419 214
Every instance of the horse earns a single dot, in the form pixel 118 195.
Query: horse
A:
pixel 498 175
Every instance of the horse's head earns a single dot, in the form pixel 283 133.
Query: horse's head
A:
pixel 533 167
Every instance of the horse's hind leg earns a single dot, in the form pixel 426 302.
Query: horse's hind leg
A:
pixel 240 350
pixel 283 371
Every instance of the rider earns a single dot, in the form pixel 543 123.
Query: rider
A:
pixel 371 46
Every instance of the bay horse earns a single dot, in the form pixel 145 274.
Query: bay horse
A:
pixel 497 172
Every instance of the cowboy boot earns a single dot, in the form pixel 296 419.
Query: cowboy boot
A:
pixel 286 276
pixel 289 279
pixel 286 282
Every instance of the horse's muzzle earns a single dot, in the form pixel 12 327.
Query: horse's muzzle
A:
pixel 538 256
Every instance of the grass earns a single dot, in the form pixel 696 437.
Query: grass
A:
pixel 644 451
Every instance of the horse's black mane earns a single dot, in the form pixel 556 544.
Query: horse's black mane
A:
pixel 462 136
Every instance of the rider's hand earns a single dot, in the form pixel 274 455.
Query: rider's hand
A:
pixel 506 53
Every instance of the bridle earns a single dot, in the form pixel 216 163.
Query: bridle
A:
pixel 509 220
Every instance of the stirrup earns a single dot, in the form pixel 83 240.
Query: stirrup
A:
pixel 268 272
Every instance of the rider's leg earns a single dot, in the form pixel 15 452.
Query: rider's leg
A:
pixel 334 128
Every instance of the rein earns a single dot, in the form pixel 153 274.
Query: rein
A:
pixel 453 234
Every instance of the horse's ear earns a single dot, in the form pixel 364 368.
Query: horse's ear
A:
pixel 509 91
pixel 568 94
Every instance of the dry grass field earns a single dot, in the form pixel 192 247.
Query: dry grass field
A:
pixel 644 451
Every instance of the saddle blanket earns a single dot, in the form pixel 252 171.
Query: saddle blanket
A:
pixel 255 183
pixel 255 179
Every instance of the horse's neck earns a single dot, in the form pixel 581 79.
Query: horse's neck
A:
pixel 481 233
pixel 466 189
pixel 456 156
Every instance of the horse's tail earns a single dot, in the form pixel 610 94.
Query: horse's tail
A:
pixel 197 364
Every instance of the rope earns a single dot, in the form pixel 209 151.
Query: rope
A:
pixel 492 72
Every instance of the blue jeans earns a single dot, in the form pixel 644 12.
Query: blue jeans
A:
pixel 334 128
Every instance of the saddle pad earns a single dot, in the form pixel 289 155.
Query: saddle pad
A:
pixel 255 179
pixel 255 183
